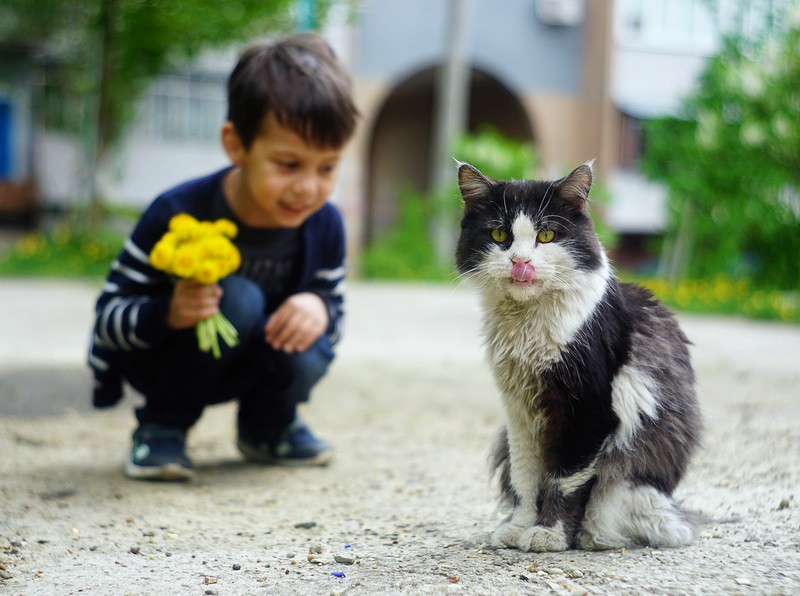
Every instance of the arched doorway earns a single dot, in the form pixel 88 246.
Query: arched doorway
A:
pixel 399 149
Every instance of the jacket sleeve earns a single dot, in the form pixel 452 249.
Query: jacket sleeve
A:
pixel 131 311
pixel 328 274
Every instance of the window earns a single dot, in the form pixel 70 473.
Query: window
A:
pixel 185 108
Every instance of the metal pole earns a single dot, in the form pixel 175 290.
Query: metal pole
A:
pixel 450 121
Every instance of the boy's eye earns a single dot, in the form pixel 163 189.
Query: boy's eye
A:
pixel 499 235
pixel 545 236
pixel 287 165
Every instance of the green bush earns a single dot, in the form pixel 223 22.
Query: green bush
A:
pixel 731 163
pixel 406 252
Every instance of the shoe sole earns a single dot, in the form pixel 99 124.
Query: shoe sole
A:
pixel 172 472
pixel 254 455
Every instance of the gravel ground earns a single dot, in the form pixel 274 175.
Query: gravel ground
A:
pixel 411 409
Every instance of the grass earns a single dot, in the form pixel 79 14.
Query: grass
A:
pixel 61 253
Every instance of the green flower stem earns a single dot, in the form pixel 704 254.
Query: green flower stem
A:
pixel 211 329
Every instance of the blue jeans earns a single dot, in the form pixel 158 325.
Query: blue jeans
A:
pixel 178 380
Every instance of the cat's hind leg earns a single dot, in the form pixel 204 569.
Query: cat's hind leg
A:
pixel 621 514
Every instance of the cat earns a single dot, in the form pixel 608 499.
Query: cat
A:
pixel 595 375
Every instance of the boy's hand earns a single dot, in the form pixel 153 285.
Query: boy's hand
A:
pixel 192 302
pixel 299 322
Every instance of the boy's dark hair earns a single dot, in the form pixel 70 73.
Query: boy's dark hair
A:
pixel 299 80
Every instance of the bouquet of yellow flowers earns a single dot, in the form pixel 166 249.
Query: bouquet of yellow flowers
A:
pixel 201 251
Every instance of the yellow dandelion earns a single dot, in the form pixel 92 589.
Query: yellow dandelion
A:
pixel 201 251
pixel 206 229
pixel 215 246
pixel 162 254
pixel 183 225
pixel 186 260
pixel 30 244
pixel 233 259
pixel 207 272
pixel 226 227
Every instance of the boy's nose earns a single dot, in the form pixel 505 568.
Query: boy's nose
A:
pixel 306 185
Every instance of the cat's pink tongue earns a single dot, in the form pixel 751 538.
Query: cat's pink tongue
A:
pixel 523 272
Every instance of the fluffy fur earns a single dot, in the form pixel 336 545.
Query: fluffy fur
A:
pixel 595 375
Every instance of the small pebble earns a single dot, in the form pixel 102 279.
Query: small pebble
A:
pixel 135 550
pixel 305 525
pixel 236 567
pixel 784 504
pixel 579 592
pixel 345 559
pixel 576 574
pixel 554 571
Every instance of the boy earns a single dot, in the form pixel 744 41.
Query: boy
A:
pixel 290 113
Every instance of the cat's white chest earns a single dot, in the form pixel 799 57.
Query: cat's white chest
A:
pixel 520 346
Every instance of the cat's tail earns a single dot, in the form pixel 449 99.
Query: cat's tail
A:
pixel 500 466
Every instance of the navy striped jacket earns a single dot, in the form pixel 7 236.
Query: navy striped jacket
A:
pixel 131 311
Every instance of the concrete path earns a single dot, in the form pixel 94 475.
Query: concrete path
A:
pixel 411 409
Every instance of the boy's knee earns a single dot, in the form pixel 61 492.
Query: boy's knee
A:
pixel 307 368
pixel 243 304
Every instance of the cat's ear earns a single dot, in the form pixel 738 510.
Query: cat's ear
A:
pixel 474 186
pixel 576 186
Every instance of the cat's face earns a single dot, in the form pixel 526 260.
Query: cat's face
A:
pixel 528 239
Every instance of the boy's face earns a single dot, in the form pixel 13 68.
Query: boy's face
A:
pixel 283 180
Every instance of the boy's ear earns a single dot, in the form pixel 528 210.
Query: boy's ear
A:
pixel 232 143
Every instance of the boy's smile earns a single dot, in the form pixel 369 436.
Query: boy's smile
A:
pixel 280 180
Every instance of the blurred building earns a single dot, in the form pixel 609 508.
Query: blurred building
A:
pixel 573 77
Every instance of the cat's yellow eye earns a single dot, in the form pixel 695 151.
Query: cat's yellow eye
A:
pixel 545 236
pixel 499 235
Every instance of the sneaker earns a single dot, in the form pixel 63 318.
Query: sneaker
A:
pixel 158 454
pixel 296 446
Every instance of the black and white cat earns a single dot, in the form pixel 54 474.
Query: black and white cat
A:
pixel 595 375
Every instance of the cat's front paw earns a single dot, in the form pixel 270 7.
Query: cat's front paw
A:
pixel 507 535
pixel 586 541
pixel 540 539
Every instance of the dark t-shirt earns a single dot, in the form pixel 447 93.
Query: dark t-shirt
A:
pixel 270 257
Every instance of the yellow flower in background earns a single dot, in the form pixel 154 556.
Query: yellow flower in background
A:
pixel 201 251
